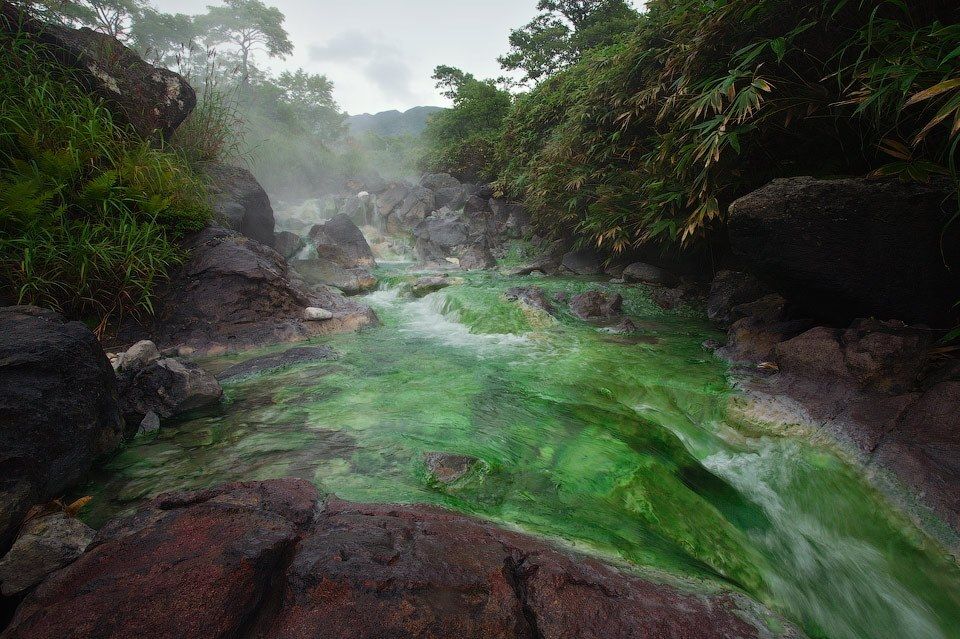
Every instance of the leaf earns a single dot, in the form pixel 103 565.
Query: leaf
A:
pixel 934 91
pixel 74 508
pixel 779 47
pixel 896 149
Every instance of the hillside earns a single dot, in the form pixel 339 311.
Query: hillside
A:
pixel 412 122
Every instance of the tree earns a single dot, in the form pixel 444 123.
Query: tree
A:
pixel 162 36
pixel 113 17
pixel 562 32
pixel 249 25
pixel 310 96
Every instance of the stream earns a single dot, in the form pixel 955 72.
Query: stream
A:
pixel 625 447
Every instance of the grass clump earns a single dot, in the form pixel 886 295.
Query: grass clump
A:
pixel 90 215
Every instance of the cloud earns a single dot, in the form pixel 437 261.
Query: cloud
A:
pixel 382 63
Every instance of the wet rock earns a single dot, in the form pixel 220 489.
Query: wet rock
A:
pixel 454 197
pixel 149 424
pixel 275 361
pixel 314 314
pixel 234 293
pixel 754 340
pixel 288 244
pixel 728 290
pixel 596 305
pixel 846 248
pixel 510 218
pixel 239 202
pixel 670 298
pixel 472 258
pixel 447 235
pixel 583 262
pixel 426 285
pixel 154 101
pixel 45 544
pixel 436 181
pixel 187 565
pixel 532 296
pixel 340 241
pixel 768 309
pixel 58 409
pixel 642 273
pixel 137 356
pixel 625 327
pixel 352 281
pixel 166 387
pixel 561 297
pixel 447 468
pixel 417 204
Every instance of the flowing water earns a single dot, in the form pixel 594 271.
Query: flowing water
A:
pixel 621 446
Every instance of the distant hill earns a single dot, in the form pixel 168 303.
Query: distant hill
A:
pixel 411 122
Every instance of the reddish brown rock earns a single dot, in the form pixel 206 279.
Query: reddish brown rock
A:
pixel 596 305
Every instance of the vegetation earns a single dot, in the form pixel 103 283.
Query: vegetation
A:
pixel 89 214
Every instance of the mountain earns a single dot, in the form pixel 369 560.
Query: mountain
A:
pixel 411 122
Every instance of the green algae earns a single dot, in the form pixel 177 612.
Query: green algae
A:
pixel 623 448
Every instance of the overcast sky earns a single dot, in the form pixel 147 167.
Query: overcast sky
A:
pixel 380 54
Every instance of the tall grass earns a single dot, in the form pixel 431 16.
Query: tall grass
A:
pixel 89 214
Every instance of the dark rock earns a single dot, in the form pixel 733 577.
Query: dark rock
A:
pixel 288 244
pixel 166 387
pixel 290 357
pixel 187 565
pixel 548 262
pixel 475 204
pixel 446 235
pixel 561 297
pixel 768 309
pixel 45 544
pixel 532 296
pixel 418 203
pixel 436 181
pixel 853 247
pixel 341 242
pixel 510 218
pixel 473 258
pixel 642 273
pixel 239 202
pixel 625 327
pixel 730 289
pixel 596 305
pixel 447 468
pixel 58 409
pixel 453 197
pixel 426 285
pixel 615 270
pixel 584 262
pixel 755 340
pixel 671 298
pixel 352 281
pixel 234 293
pixel 150 99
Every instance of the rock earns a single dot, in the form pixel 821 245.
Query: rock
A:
pixel 426 285
pixel 475 204
pixel 340 241
pixel 436 181
pixel 730 289
pixel 260 559
pixel 168 388
pixel 233 293
pixel 445 235
pixel 289 357
pixel 137 356
pixel 625 327
pixel 671 298
pixel 187 565
pixel 288 244
pixel 314 314
pixel 548 263
pixel 239 202
pixel 454 197
pixel 58 409
pixel 533 296
pixel 584 262
pixel 474 258
pixel 853 247
pixel 642 273
pixel 447 468
pixel 769 309
pixel 154 101
pixel 45 544
pixel 596 305
pixel 561 297
pixel 417 204
pixel 754 340
pixel 510 219
pixel 352 281
pixel 149 424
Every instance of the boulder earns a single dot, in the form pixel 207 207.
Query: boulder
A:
pixel 533 296
pixel 352 281
pixel 290 357
pixel 840 249
pixel 626 326
pixel 340 241
pixel 58 409
pixel 288 244
pixel 437 181
pixel 149 425
pixel 417 205
pixel 426 285
pixel 45 544
pixel 730 289
pixel 454 197
pixel 166 387
pixel 596 305
pixel 234 293
pixel 448 235
pixel 152 100
pixel 239 202
pixel 642 273
pixel 476 257
pixel 755 340
pixel 511 218
pixel 447 468
pixel 137 356
pixel 316 314
pixel 260 559
pixel 585 262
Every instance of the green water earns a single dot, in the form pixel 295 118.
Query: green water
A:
pixel 618 446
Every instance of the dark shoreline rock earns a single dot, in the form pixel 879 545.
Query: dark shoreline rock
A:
pixel 265 559
pixel 239 202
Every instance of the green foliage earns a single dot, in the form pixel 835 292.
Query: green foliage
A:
pixel 462 140
pixel 89 214
pixel 248 25
pixel 649 140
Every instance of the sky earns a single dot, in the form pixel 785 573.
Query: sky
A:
pixel 380 54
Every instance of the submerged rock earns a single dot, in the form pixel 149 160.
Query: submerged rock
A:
pixel 167 388
pixel 262 555
pixel 596 305
pixel 289 357
pixel 239 202
pixel 288 244
pixel 45 544
pixel 447 468
pixel 426 285
pixel 58 409
pixel 533 296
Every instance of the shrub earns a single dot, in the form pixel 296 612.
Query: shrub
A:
pixel 89 214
